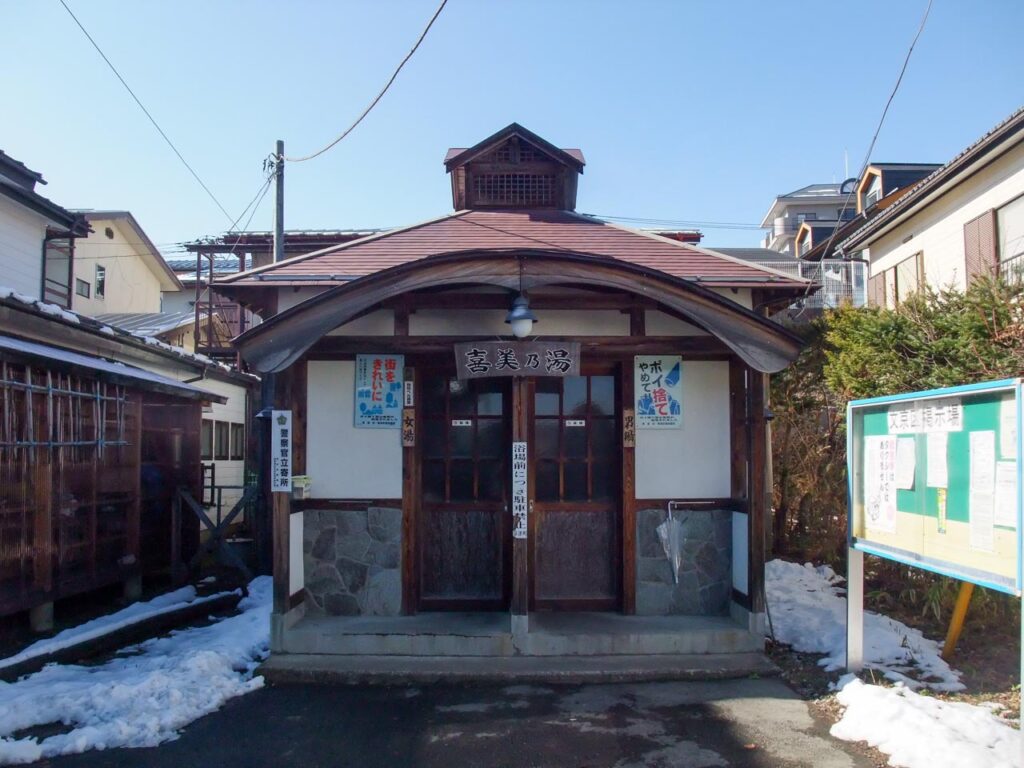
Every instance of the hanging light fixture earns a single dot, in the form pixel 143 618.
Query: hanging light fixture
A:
pixel 521 317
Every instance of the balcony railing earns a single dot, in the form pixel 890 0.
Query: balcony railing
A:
pixel 842 282
pixel 1012 269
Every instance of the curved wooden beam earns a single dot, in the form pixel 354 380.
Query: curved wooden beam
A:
pixel 281 340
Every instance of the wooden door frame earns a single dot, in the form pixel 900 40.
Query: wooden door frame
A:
pixel 625 558
pixel 416 518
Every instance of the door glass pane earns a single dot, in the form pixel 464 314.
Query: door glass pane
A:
pixel 434 389
pixel 546 438
pixel 489 403
pixel 604 480
pixel 547 481
pixel 574 396
pixel 433 481
pixel 461 479
pixel 433 438
pixel 462 402
pixel 545 401
pixel 602 438
pixel 460 440
pixel 602 395
pixel 576 441
pixel 490 438
pixel 491 481
pixel 575 481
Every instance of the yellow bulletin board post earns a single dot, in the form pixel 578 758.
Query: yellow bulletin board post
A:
pixel 935 482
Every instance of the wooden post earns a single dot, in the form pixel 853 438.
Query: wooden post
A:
pixel 41 616
pixel 520 547
pixel 956 624
pixel 282 506
pixel 758 495
pixel 629 543
pixel 133 525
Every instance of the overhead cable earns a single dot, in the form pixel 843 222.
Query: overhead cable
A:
pixel 379 96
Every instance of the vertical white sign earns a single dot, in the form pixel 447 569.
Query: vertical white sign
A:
pixel 937 469
pixel 880 483
pixel 281 451
pixel 1008 427
pixel 519 503
pixel 981 498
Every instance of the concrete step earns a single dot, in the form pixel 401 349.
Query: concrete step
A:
pixel 333 669
pixel 478 635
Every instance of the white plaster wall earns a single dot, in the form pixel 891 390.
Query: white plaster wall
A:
pixel 289 297
pixel 131 285
pixel 938 229
pixel 658 323
pixel 379 323
pixel 296 569
pixel 344 462
pixel 740 296
pixel 691 462
pixel 558 322
pixel 21 248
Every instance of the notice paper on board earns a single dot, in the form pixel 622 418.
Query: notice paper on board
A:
pixel 1006 494
pixel 981 500
pixel 880 483
pixel 1008 428
pixel 937 474
pixel 906 462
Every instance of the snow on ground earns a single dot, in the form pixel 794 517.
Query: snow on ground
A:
pixel 144 695
pixel 134 613
pixel 808 611
pixel 924 732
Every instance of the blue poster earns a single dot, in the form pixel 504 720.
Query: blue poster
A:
pixel 659 391
pixel 379 391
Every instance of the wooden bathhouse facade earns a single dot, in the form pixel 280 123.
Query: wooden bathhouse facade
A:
pixel 495 411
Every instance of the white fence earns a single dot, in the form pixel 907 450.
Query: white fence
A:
pixel 842 282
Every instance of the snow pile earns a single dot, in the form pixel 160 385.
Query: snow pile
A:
pixel 134 613
pixel 921 732
pixel 808 612
pixel 143 696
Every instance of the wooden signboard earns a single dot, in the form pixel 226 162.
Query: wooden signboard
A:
pixel 485 359
pixel 628 428
pixel 408 427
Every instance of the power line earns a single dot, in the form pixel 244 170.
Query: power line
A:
pixel 678 222
pixel 146 112
pixel 878 130
pixel 379 96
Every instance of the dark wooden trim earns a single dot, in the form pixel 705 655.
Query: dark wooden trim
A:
pixel 617 347
pixel 757 497
pixel 629 543
pixel 295 599
pixel 281 505
pixel 401 316
pixel 411 503
pixel 599 604
pixel 737 430
pixel 740 599
pixel 342 504
pixel 502 300
pixel 297 389
pixel 637 323
pixel 522 391
pixel 723 503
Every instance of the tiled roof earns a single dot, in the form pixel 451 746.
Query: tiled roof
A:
pixel 502 230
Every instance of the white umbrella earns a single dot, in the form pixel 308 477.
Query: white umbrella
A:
pixel 670 533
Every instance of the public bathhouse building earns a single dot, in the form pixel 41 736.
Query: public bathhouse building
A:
pixel 526 431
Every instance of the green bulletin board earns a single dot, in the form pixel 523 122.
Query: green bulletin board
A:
pixel 951 461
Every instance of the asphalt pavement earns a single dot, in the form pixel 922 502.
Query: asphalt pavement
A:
pixel 748 722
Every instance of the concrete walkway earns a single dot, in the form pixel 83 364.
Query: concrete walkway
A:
pixel 751 722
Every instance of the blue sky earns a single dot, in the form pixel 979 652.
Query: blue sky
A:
pixel 685 110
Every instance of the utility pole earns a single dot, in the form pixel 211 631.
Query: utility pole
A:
pixel 279 202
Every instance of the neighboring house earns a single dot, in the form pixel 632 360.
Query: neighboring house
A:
pixel 175 328
pixel 118 269
pixel 819 204
pixel 37 236
pixel 100 430
pixel 524 496
pixel 962 221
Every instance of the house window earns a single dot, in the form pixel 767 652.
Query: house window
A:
pixel 81 287
pixel 1010 228
pixel 237 441
pixel 221 449
pixel 895 285
pixel 101 281
pixel 206 440
pixel 802 217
